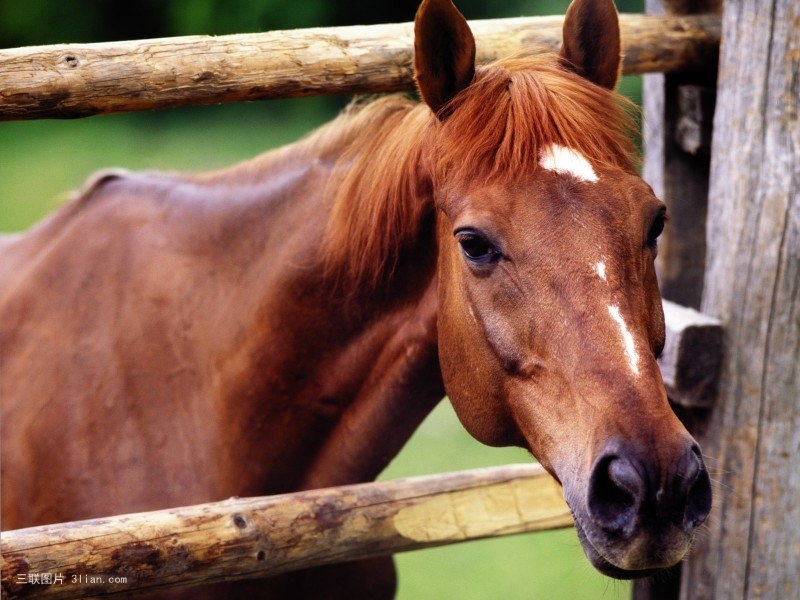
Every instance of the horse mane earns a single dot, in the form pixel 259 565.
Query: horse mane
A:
pixel 380 188
pixel 398 153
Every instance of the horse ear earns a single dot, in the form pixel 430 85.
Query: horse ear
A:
pixel 591 45
pixel 444 53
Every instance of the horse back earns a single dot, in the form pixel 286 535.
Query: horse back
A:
pixel 114 315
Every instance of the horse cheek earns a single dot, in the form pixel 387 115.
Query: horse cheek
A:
pixel 473 379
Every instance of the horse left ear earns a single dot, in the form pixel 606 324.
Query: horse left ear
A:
pixel 444 53
pixel 591 45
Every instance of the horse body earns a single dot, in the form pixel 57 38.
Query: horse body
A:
pixel 206 294
pixel 286 323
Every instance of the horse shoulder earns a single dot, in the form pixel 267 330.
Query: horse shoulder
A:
pixel 124 298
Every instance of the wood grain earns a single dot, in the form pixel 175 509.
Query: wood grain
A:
pixel 692 357
pixel 259 537
pixel 78 80
pixel 752 546
pixel 678 177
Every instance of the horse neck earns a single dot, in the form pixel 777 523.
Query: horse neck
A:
pixel 352 358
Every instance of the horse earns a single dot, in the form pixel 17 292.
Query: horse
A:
pixel 287 322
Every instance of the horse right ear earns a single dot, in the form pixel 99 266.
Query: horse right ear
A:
pixel 444 53
pixel 591 44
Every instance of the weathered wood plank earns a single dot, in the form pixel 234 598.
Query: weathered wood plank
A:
pixel 77 80
pixel 692 357
pixel 678 177
pixel 681 180
pixel 258 537
pixel 695 117
pixel 752 546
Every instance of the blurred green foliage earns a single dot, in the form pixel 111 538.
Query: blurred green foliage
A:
pixel 34 22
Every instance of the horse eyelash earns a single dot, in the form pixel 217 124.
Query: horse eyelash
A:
pixel 652 241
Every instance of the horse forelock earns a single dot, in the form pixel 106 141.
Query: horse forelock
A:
pixel 517 109
pixel 397 152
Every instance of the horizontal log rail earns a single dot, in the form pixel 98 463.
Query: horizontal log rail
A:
pixel 258 537
pixel 78 80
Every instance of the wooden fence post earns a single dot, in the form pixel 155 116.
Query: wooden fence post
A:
pixel 678 112
pixel 752 283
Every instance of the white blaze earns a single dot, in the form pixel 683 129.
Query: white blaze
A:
pixel 567 161
pixel 627 339
pixel 600 269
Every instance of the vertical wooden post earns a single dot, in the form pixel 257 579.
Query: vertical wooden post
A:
pixel 752 283
pixel 678 111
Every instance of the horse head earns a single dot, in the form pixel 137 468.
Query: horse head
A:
pixel 550 318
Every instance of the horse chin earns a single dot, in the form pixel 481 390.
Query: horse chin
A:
pixel 603 565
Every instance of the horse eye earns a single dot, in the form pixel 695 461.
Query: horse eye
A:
pixel 476 247
pixel 657 228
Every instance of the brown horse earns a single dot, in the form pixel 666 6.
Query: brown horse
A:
pixel 288 322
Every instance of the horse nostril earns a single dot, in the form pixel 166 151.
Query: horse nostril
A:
pixel 698 494
pixel 621 496
pixel 615 493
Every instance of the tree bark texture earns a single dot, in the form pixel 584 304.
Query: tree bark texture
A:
pixel 77 80
pixel 752 283
pixel 258 537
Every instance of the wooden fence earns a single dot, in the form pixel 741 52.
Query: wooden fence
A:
pixel 77 80
pixel 748 277
pixel 238 539
pixel 258 537
pixel 733 251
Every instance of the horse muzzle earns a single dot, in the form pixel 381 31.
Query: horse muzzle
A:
pixel 638 515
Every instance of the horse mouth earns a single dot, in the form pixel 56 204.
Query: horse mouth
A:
pixel 600 563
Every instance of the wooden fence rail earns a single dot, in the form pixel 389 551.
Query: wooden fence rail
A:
pixel 258 537
pixel 75 80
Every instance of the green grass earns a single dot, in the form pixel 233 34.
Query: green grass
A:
pixel 40 162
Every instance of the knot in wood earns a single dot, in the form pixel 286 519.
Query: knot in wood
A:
pixel 69 60
pixel 239 521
